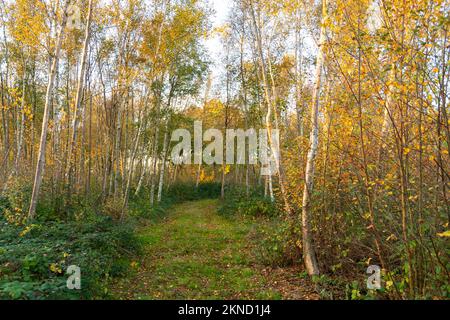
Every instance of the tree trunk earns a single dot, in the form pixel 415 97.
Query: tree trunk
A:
pixel 208 88
pixel 309 255
pixel 43 141
pixel 130 170
pixel 78 97
pixel 270 106
pixel 22 122
pixel 163 162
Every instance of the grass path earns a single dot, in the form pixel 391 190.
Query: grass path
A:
pixel 197 254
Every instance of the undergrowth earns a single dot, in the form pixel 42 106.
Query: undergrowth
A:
pixel 35 255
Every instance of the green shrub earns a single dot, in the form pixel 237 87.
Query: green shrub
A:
pixel 34 258
pixel 139 205
pixel 14 201
pixel 276 236
pixel 278 243
pixel 255 204
pixel 189 191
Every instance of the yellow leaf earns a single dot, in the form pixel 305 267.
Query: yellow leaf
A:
pixel 445 234
pixel 389 284
pixel 55 268
pixel 391 237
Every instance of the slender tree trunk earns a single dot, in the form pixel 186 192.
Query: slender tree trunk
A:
pixel 154 166
pixel 142 175
pixel 4 122
pixel 386 118
pixel 205 101
pixel 163 162
pixel 22 122
pixel 88 181
pixel 43 141
pixel 5 95
pixel 270 106
pixel 78 98
pixel 309 255
pixel 116 151
pixel 244 96
pixel 224 166
pixel 130 170
pixel 298 74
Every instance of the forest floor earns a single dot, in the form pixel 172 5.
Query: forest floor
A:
pixel 194 253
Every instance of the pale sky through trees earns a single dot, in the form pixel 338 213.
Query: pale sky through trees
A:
pixel 221 11
pixel 213 44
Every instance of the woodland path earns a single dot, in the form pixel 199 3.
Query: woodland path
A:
pixel 195 253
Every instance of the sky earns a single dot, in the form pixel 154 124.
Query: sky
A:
pixel 213 44
pixel 221 12
pixel 221 8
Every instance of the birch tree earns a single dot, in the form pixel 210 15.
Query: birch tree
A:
pixel 48 96
pixel 79 96
pixel 309 255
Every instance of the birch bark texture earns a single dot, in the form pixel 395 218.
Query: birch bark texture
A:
pixel 48 97
pixel 309 254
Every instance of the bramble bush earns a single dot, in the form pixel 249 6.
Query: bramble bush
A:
pixel 34 256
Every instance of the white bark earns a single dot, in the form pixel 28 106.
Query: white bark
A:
pixel 270 100
pixel 43 141
pixel 22 122
pixel 208 88
pixel 78 97
pixel 163 163
pixel 154 165
pixel 309 255
pixel 387 111
pixel 141 178
pixel 133 158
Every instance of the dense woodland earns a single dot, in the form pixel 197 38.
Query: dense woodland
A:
pixel 359 90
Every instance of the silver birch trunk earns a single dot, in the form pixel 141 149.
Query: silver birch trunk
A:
pixel 79 94
pixel 163 163
pixel 43 141
pixel 309 255
pixel 208 88
pixel 22 124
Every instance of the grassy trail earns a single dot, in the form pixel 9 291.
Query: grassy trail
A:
pixel 197 254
